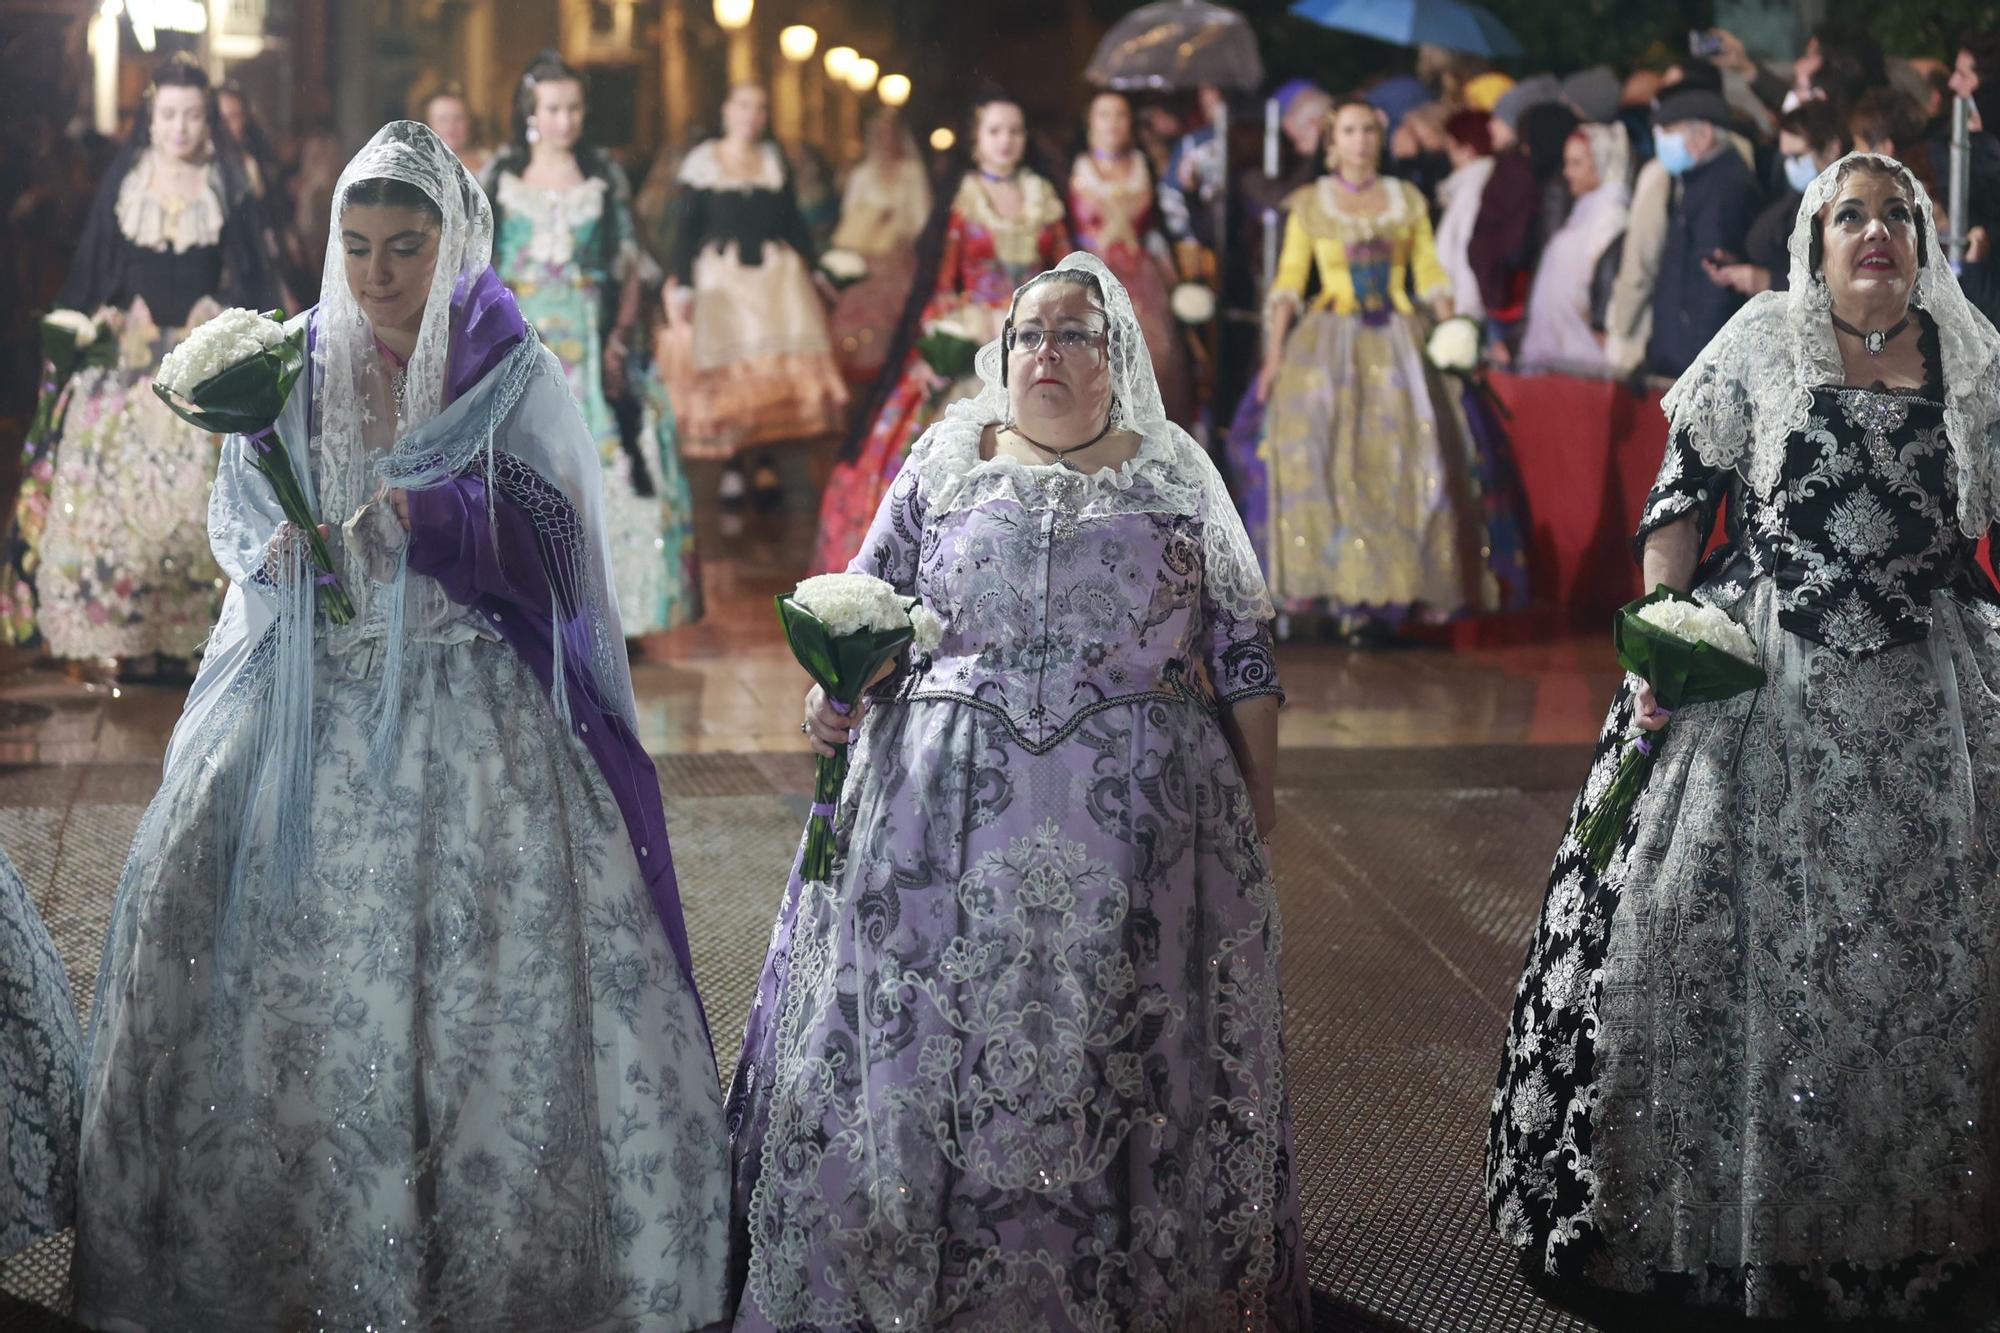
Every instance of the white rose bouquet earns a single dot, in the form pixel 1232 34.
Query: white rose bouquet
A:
pixel 843 628
pixel 1454 345
pixel 843 268
pixel 71 340
pixel 1690 653
pixel 232 375
pixel 1192 303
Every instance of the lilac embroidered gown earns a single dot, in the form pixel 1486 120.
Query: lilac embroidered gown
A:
pixel 1019 1065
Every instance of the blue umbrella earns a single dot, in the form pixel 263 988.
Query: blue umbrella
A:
pixel 1455 25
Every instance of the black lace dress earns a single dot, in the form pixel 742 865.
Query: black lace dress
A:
pixel 1753 1066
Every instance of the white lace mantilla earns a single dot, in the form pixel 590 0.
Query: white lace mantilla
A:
pixel 1182 478
pixel 154 220
pixel 1750 390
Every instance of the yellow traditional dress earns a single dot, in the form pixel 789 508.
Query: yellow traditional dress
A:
pixel 1374 502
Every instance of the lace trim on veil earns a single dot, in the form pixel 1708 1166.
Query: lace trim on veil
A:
pixel 1750 390
pixel 1180 478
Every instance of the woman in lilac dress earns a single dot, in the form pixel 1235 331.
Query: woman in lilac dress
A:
pixel 1018 1063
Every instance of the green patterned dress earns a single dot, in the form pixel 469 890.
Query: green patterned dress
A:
pixel 551 251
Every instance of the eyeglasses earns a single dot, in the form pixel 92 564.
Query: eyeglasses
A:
pixel 1066 340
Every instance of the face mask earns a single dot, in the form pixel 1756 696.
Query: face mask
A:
pixel 1800 170
pixel 1672 150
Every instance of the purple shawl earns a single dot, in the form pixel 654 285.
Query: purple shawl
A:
pixel 476 565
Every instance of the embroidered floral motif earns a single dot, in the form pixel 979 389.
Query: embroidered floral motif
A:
pixel 1746 1065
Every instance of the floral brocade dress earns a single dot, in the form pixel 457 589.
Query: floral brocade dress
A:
pixel 1019 1064
pixel 1367 494
pixel 41 1074
pixel 753 365
pixel 1754 1065
pixel 1114 219
pixel 551 250
pixel 114 521
pixel 986 256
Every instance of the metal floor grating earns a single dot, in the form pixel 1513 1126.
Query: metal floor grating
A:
pixel 1408 878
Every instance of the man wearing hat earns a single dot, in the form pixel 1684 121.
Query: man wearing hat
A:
pixel 1715 201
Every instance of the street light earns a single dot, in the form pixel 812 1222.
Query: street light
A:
pixel 839 60
pixel 798 43
pixel 942 139
pixel 861 74
pixel 733 16
pixel 894 89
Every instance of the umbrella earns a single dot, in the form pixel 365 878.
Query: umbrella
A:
pixel 1455 25
pixel 1178 44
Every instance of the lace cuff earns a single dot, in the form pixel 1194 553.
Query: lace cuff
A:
pixel 375 540
pixel 1282 298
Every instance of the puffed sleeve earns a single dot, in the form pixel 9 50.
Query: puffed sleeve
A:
pixel 1685 487
pixel 895 538
pixel 1241 659
pixel 1294 264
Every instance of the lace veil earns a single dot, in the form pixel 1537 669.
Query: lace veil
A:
pixel 1182 478
pixel 512 423
pixel 1751 388
pixel 437 440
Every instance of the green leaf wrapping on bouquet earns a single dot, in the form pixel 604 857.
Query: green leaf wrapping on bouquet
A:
pixel 1681 673
pixel 948 354
pixel 62 359
pixel 247 397
pixel 842 665
pixel 66 358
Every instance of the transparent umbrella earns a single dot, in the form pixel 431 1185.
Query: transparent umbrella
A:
pixel 1178 44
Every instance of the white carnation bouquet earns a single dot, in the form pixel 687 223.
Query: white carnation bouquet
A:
pixel 232 375
pixel 71 340
pixel 1192 303
pixel 231 339
pixel 843 629
pixel 1690 653
pixel 1454 345
pixel 843 268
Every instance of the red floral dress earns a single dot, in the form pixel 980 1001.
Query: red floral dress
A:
pixel 985 258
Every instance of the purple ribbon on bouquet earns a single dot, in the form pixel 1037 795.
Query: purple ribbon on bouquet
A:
pixel 265 439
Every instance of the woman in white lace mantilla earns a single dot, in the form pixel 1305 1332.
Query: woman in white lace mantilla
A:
pixel 395 1026
pixel 1752 1066
pixel 1018 1063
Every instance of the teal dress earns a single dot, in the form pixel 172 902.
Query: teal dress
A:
pixel 551 250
